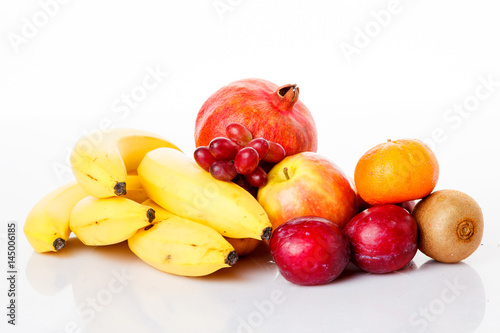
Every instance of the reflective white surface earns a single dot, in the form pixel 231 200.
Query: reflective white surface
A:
pixel 431 71
pixel 109 289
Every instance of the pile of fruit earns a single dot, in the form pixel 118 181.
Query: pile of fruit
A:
pixel 255 177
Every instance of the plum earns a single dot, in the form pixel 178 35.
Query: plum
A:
pixel 383 238
pixel 309 250
pixel 408 205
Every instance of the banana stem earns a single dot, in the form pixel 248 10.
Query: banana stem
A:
pixel 232 258
pixel 58 244
pixel 266 234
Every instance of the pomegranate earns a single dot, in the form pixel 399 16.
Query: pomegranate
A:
pixel 268 111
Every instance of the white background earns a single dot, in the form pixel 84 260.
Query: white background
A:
pixel 411 66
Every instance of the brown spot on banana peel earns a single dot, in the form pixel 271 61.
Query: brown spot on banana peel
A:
pixel 91 177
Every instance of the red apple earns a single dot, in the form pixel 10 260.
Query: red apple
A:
pixel 309 250
pixel 308 184
pixel 267 110
pixel 383 238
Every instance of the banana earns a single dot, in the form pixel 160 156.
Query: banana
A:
pixel 106 221
pixel 182 247
pixel 101 159
pixel 160 212
pixel 179 185
pixel 135 191
pixel 47 224
pixel 242 246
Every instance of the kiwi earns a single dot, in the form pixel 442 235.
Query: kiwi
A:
pixel 450 225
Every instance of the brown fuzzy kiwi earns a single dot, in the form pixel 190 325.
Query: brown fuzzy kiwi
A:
pixel 450 225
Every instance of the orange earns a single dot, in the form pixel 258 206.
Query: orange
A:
pixel 396 171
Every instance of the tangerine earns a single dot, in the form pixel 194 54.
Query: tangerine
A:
pixel 396 171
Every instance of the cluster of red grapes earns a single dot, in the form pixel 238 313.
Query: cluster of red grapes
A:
pixel 240 157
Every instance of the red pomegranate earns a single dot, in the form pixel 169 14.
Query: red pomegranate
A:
pixel 268 111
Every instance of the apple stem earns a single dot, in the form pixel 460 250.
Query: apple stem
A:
pixel 285 171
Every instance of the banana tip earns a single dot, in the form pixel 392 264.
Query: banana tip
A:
pixel 150 214
pixel 266 233
pixel 232 258
pixel 58 244
pixel 120 188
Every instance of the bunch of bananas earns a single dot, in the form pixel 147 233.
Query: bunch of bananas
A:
pixel 135 186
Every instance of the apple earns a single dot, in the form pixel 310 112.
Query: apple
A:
pixel 309 250
pixel 308 184
pixel 383 238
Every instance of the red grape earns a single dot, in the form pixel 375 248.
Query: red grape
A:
pixel 203 157
pixel 257 178
pixel 246 160
pixel 267 166
pixel 223 149
pixel 223 170
pixel 238 133
pixel 261 145
pixel 242 182
pixel 276 153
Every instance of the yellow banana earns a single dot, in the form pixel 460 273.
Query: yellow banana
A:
pixel 135 191
pixel 47 224
pixel 180 246
pixel 179 185
pixel 242 246
pixel 160 212
pixel 106 221
pixel 101 159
